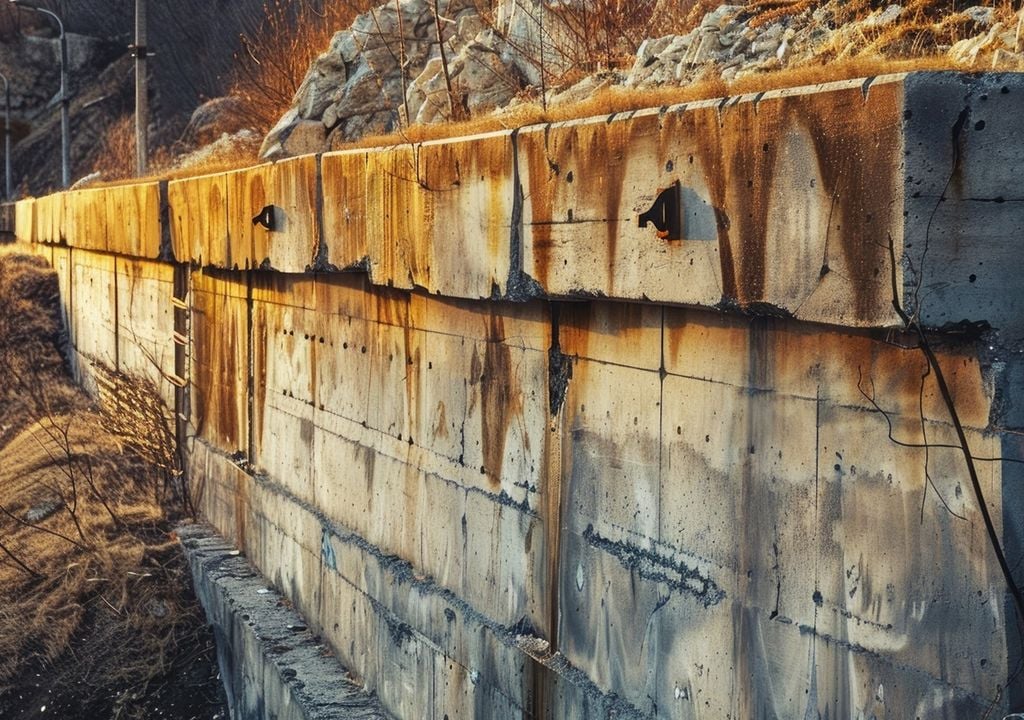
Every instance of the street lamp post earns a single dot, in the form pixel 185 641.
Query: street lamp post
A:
pixel 65 124
pixel 8 193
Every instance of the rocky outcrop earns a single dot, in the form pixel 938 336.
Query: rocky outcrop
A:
pixel 389 67
pixel 730 45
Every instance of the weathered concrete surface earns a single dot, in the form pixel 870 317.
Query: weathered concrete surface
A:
pixel 717 517
pixel 547 508
pixel 963 208
pixel 786 199
pixel 257 218
pixel 272 665
pixel 219 371
pixel 24 221
pixel 200 236
pixel 124 219
pixel 435 215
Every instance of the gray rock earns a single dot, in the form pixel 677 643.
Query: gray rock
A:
pixel 212 119
pixel 981 15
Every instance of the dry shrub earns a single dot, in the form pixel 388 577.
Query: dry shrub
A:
pixel 90 580
pixel 115 159
pixel 607 33
pixel 925 26
pixel 278 49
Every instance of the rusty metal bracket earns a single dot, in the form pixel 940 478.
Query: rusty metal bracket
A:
pixel 666 214
pixel 266 218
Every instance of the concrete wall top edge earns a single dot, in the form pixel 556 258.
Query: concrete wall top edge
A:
pixel 782 202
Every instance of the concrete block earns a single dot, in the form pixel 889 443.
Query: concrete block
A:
pixel 610 501
pixel 893 565
pixel 782 197
pixel 94 300
pixel 51 222
pixel 220 360
pixel 346 241
pixel 24 220
pixel 964 216
pixel 199 221
pixel 136 227
pixel 844 367
pixel 612 333
pixel 290 189
pixel 272 665
pixel 145 342
pixel 436 216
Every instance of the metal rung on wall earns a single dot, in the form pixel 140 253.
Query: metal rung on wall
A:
pixel 180 339
pixel 179 303
pixel 175 380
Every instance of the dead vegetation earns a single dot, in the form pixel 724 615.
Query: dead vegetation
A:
pixel 93 589
pixel 279 48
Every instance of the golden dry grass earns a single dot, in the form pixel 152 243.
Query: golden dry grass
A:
pixel 87 567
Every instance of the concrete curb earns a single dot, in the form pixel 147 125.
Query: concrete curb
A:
pixel 271 665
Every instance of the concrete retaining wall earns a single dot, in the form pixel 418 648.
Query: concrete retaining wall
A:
pixel 532 459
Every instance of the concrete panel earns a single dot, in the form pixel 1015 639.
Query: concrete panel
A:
pixel 291 243
pixel 24 220
pixel 146 323
pixel 199 221
pixel 964 215
pixel 346 243
pixel 804 361
pixel 220 360
pixel 138 230
pixel 285 344
pixel 50 219
pixel 611 502
pixel 94 297
pixel 782 198
pixel 436 216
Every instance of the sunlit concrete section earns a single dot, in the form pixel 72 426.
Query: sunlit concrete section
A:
pixel 613 418
pixel 793 201
pixel 437 215
pixel 124 219
pixel 264 217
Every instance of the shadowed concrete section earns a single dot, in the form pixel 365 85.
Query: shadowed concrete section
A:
pixel 267 656
pixel 730 488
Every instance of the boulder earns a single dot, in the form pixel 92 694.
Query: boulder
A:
pixel 212 119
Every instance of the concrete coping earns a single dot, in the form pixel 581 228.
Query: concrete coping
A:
pixel 825 203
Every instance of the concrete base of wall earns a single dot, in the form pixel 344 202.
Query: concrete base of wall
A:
pixel 272 666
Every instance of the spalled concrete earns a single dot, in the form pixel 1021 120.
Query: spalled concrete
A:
pixel 512 454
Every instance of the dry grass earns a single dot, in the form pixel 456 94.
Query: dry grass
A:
pixel 617 99
pixel 97 576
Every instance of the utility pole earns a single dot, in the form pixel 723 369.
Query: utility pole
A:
pixel 140 51
pixel 8 192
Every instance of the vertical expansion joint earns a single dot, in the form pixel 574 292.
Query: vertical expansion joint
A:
pixel 520 286
pixel 321 261
pixel 166 247
pixel 559 366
